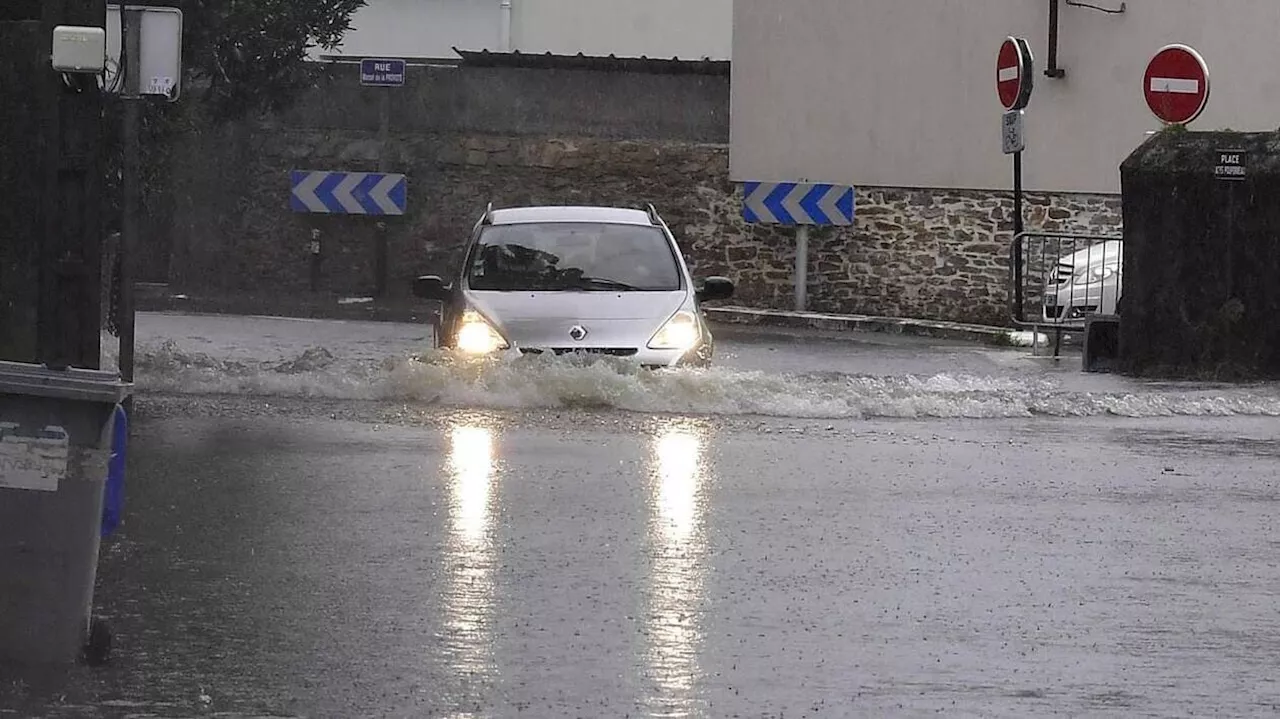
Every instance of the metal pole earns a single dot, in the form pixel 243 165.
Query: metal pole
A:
pixel 1017 193
pixel 384 163
pixel 1053 70
pixel 1017 230
pixel 384 127
pixel 316 259
pixel 131 25
pixel 802 266
pixel 380 260
pixel 1018 298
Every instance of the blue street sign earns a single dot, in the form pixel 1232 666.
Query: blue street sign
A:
pixel 379 72
pixel 348 193
pixel 793 203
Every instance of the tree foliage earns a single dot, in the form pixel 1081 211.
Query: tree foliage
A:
pixel 245 56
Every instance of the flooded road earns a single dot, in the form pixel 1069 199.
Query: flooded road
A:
pixel 774 373
pixel 319 525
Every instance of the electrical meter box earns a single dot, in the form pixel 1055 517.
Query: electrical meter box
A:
pixel 79 49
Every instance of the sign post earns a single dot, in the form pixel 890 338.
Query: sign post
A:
pixel 147 61
pixel 801 205
pixel 1015 73
pixel 1176 85
pixel 384 73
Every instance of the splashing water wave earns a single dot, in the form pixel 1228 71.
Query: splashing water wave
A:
pixel 551 382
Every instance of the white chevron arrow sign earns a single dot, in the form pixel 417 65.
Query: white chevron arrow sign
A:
pixel 348 193
pixel 792 203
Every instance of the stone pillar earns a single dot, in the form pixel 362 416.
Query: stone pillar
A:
pixel 1201 281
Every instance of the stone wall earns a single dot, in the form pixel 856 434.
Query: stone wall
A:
pixel 940 254
pixel 934 254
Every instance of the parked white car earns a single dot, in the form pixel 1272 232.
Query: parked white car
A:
pixel 1084 282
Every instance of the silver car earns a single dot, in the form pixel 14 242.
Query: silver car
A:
pixel 590 280
pixel 1085 282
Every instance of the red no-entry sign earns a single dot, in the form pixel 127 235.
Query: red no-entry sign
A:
pixel 1176 85
pixel 1014 73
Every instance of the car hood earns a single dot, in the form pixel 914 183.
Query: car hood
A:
pixel 611 319
pixel 1103 253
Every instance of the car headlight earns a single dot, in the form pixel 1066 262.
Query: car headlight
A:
pixel 477 337
pixel 1096 274
pixel 679 333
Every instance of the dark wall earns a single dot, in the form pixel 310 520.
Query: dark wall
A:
pixel 1202 258
pixel 520 101
pixel 21 157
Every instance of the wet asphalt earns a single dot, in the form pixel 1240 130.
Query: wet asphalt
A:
pixel 293 557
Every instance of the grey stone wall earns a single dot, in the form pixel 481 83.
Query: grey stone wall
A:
pixel 937 254
pixel 466 137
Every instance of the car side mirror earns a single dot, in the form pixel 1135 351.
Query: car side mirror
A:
pixel 430 287
pixel 715 288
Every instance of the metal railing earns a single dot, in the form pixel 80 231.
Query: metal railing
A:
pixel 1060 279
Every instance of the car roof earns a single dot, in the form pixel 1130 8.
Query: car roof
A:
pixel 570 213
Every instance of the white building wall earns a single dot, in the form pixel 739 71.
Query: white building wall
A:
pixel 688 29
pixel 421 28
pixel 902 92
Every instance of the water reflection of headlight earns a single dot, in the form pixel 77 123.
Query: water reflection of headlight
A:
pixel 471 461
pixel 467 597
pixel 677 582
pixel 678 455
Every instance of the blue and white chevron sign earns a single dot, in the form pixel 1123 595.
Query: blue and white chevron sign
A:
pixel 794 203
pixel 348 193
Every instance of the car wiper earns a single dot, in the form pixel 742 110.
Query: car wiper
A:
pixel 605 283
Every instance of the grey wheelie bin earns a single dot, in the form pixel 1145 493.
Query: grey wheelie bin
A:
pixel 55 444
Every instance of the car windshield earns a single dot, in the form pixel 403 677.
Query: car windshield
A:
pixel 578 256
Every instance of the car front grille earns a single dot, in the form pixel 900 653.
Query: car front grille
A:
pixel 1072 313
pixel 609 351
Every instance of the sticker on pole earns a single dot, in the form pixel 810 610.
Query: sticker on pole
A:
pixel 36 463
pixel 1014 73
pixel 1012 137
pixel 1176 85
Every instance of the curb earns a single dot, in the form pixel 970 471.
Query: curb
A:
pixel 984 334
pixel 336 309
pixel 330 309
